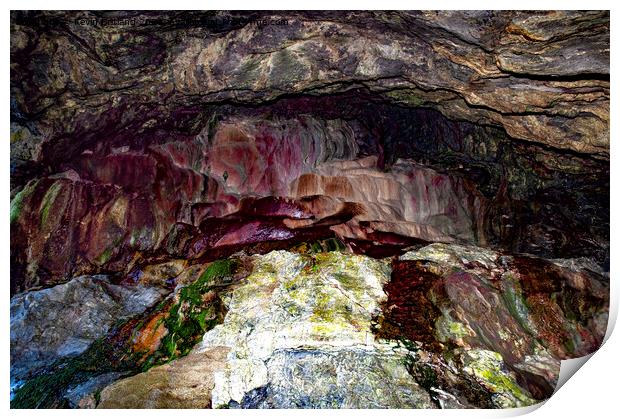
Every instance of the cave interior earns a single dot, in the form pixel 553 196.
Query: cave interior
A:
pixel 153 156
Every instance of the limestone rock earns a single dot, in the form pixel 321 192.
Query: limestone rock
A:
pixel 324 305
pixel 185 383
pixel 64 320
pixel 326 378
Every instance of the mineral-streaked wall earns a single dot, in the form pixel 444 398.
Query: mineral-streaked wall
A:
pixel 258 178
pixel 126 137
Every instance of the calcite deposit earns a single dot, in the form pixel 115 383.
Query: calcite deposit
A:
pixel 320 209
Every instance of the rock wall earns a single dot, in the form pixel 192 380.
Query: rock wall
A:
pixel 448 326
pixel 129 134
pixel 525 72
pixel 248 178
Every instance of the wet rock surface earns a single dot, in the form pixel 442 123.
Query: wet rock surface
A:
pixel 65 320
pixel 449 326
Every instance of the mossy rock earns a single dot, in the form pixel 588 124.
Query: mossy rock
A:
pixel 406 96
pixel 17 203
pixel 48 201
pixel 486 366
pixel 196 309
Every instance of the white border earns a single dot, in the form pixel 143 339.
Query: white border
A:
pixel 591 394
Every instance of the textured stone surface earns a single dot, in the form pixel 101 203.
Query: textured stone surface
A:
pixel 320 190
pixel 64 320
pixel 531 313
pixel 522 71
pixel 185 383
pixel 289 301
pixel 448 325
pixel 165 332
pixel 335 209
pixel 261 182
pixel 326 378
pixel 127 158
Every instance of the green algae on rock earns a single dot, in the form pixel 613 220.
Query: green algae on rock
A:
pixel 316 308
pixel 487 367
pixel 18 201
pixel 164 333
pixel 196 308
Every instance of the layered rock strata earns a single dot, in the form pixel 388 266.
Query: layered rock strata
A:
pixel 527 72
